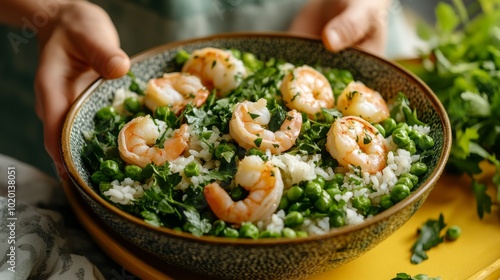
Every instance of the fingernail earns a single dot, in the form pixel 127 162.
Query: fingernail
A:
pixel 333 39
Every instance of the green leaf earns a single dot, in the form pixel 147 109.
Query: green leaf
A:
pixel 195 224
pixel 446 18
pixel 278 115
pixel 424 30
pixel 405 276
pixel 463 140
pixel 429 237
pixel 462 11
pixel 151 218
pixel 482 198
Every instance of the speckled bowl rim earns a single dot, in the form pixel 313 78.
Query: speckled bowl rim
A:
pixel 424 187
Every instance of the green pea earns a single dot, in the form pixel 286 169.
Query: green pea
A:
pixel 400 137
pixel 236 53
pixel 251 61
pixel 333 191
pixel 339 178
pixel 411 147
pixel 104 186
pixel 140 114
pixel 162 112
pixel 313 190
pixel 299 206
pixel 380 129
pixel 323 202
pixel 301 233
pixel 269 234
pixel 238 193
pixel 120 176
pixel 362 203
pixel 415 135
pixel 289 233
pixel 413 178
pixel 218 227
pixel 320 180
pixel 426 142
pixel 453 233
pixel 192 169
pixel 418 168
pixel 133 172
pixel 373 210
pixel 337 219
pixel 399 192
pixel 386 202
pixel 405 181
pixel 331 185
pixel 249 230
pixel 132 104
pixel 181 57
pixel 294 219
pixel 99 176
pixel 295 193
pixel 389 125
pixel 284 203
pixel 404 126
pixel 230 232
pixel 106 113
pixel 109 168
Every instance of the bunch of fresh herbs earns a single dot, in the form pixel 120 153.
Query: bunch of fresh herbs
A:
pixel 462 66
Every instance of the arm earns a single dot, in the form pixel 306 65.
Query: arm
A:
pixel 77 44
pixel 342 23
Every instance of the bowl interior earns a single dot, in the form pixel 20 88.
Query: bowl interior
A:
pixel 384 76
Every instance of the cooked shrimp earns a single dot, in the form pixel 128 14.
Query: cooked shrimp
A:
pixel 218 69
pixel 353 141
pixel 307 90
pixel 362 101
pixel 137 138
pixel 248 127
pixel 176 90
pixel 263 182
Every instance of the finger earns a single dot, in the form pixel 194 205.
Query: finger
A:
pixel 350 27
pixel 56 87
pixel 100 49
pixel 307 22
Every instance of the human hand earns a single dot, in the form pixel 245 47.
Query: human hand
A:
pixel 80 44
pixel 344 23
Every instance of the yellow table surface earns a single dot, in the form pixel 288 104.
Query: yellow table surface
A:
pixel 475 255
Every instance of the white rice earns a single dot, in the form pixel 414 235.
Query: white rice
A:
pixel 125 192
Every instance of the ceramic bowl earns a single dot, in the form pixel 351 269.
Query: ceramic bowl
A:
pixel 263 258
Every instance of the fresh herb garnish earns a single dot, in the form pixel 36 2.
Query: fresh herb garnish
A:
pixel 429 236
pixel 463 69
pixel 405 276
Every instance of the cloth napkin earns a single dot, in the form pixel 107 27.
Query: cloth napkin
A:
pixel 40 238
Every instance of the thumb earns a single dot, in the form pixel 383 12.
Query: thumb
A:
pixel 97 42
pixel 349 27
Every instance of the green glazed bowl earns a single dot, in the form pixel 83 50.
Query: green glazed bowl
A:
pixel 263 258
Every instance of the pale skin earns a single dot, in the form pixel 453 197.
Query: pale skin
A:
pixel 71 57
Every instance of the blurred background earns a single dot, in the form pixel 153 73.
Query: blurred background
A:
pixel 143 24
